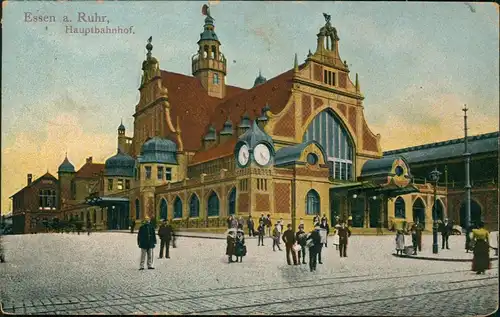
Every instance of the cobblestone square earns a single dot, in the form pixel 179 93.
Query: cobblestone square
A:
pixel 69 273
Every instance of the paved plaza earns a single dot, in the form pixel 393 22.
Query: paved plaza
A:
pixel 80 274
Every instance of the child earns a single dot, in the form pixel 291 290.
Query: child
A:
pixel 400 242
pixel 414 239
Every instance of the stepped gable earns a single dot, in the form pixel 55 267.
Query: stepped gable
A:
pixel 190 102
pixel 276 92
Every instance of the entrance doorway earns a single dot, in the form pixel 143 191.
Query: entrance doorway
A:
pixel 419 211
pixel 118 217
pixel 475 213
pixel 374 213
pixel 358 212
pixel 334 209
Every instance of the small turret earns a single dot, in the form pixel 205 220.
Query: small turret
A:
pixel 210 138
pixel 244 125
pixel 259 80
pixel 227 131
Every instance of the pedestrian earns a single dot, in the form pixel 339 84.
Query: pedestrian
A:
pixel 313 242
pixel 240 249
pixel 481 260
pixel 316 220
pixel 231 240
pixel 229 221
pixel 234 223
pixel 262 218
pixel 79 226
pixel 89 227
pixel 324 225
pixel 261 229
pixel 146 240
pixel 241 222
pixel 276 238
pixel 414 239
pixel 132 225
pixel 165 234
pixel 419 228
pixel 324 218
pixel 250 226
pixel 344 234
pixel 335 236
pixel 289 240
pixel 269 225
pixel 322 234
pixel 445 233
pixel 400 242
pixel 301 237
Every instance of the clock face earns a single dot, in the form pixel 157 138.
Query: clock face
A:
pixel 243 155
pixel 261 154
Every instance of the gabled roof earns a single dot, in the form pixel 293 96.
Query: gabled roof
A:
pixel 222 150
pixel 191 103
pixel 90 170
pixel 483 143
pixel 44 176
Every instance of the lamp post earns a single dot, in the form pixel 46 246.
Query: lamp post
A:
pixel 434 176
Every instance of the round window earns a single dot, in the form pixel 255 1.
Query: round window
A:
pixel 399 170
pixel 312 158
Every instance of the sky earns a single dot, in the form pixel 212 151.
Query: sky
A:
pixel 418 64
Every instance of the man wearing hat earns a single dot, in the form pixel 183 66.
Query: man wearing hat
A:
pixel 289 239
pixel 165 234
pixel 276 238
pixel 446 230
pixel 314 243
pixel 146 240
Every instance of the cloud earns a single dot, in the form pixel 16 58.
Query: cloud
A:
pixel 36 155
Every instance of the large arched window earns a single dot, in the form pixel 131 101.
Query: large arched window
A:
pixel 194 206
pixel 137 209
pixel 232 202
pixel 399 208
pixel 312 203
pixel 213 205
pixel 163 209
pixel 327 130
pixel 177 207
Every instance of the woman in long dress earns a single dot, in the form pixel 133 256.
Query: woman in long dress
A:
pixel 230 245
pixel 400 242
pixel 336 237
pixel 481 259
pixel 239 247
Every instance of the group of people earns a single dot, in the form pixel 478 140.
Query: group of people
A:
pixel 477 241
pixel 146 241
pixel 296 243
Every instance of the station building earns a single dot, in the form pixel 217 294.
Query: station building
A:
pixel 292 146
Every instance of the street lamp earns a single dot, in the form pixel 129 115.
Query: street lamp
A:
pixel 434 176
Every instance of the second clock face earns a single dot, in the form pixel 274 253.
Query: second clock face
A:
pixel 262 154
pixel 243 155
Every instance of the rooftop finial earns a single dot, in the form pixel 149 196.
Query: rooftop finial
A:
pixel 357 83
pixel 328 17
pixel 149 46
pixel 296 64
pixel 205 10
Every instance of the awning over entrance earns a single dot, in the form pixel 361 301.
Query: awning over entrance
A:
pixel 371 188
pixel 103 201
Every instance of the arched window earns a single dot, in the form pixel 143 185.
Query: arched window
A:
pixel 137 209
pixel 312 203
pixel 177 207
pixel 194 207
pixel 213 205
pixel 399 208
pixel 163 209
pixel 327 130
pixel 232 201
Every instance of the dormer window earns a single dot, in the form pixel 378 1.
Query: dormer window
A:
pixel 216 79
pixel 329 78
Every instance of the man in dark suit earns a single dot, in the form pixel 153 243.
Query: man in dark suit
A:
pixel 445 233
pixel 146 240
pixel 165 234
pixel 344 234
pixel 289 239
pixel 314 244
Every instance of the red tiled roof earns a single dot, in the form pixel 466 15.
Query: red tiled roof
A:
pixel 219 151
pixel 190 101
pixel 90 170
pixel 276 92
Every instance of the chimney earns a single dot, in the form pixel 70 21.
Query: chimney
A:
pixel 30 178
pixel 89 160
